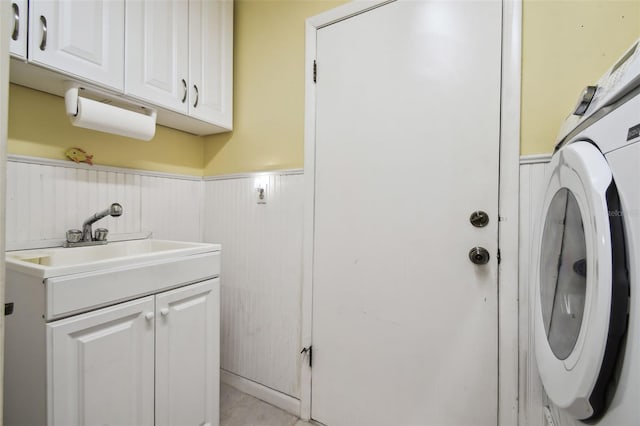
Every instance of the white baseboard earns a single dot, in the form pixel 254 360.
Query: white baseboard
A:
pixel 262 392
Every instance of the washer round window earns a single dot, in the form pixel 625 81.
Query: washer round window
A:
pixel 563 273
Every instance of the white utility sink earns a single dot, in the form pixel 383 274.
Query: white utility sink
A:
pixel 111 323
pixel 79 279
pixel 45 263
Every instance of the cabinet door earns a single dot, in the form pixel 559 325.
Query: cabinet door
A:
pixel 81 38
pixel 211 61
pixel 100 367
pixel 157 52
pixel 18 29
pixel 188 355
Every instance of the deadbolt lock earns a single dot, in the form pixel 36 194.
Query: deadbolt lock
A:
pixel 479 219
pixel 479 255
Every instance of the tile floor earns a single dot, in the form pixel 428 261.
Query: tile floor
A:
pixel 240 409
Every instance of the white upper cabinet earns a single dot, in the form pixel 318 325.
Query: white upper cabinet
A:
pixel 211 61
pixel 79 38
pixel 18 29
pixel 179 56
pixel 157 52
pixel 174 56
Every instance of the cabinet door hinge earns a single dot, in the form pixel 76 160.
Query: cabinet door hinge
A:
pixel 308 350
pixel 499 257
pixel 315 71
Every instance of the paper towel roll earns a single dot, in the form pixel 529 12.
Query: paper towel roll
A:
pixel 111 119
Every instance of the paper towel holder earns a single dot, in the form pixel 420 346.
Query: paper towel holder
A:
pixel 143 115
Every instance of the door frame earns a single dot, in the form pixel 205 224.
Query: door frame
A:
pixel 4 114
pixel 509 165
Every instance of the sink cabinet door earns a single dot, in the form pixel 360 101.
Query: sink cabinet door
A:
pixel 101 365
pixel 188 355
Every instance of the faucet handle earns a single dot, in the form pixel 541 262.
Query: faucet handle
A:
pixel 101 234
pixel 74 235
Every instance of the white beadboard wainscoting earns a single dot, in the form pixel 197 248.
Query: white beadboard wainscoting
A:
pixel 45 198
pixel 532 173
pixel 261 262
pixel 172 208
pixel 262 278
pixel 262 247
pixel 533 400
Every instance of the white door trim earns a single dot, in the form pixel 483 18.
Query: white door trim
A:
pixel 509 213
pixel 4 114
pixel 508 204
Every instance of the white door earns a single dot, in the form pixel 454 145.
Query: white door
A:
pixel 188 355
pixel 18 29
pixel 211 61
pixel 407 140
pixel 100 367
pixel 157 52
pixel 82 38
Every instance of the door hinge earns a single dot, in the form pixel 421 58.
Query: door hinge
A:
pixel 315 71
pixel 499 257
pixel 308 350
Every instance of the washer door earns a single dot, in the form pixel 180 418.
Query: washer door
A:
pixel 581 284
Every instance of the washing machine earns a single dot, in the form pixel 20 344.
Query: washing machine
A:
pixel 586 256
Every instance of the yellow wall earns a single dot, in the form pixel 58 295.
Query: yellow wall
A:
pixel 39 127
pixel 268 88
pixel 567 45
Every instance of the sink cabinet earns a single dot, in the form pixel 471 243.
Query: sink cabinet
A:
pixel 138 344
pixel 187 353
pixel 101 366
pixel 102 363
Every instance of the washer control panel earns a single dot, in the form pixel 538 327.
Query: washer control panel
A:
pixel 621 78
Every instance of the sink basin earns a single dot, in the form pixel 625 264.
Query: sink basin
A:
pixel 81 279
pixel 51 262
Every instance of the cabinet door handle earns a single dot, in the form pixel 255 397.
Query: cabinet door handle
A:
pixel 43 42
pixel 184 87
pixel 149 316
pixel 16 21
pixel 164 312
pixel 195 104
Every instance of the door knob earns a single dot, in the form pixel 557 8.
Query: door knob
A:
pixel 479 219
pixel 479 255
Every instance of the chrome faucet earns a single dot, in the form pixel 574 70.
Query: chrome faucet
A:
pixel 76 238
